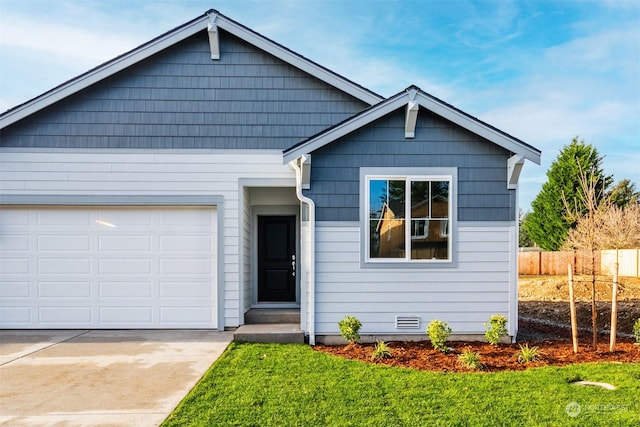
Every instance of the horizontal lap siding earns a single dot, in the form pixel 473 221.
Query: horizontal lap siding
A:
pixel 482 166
pixel 465 296
pixel 125 173
pixel 180 98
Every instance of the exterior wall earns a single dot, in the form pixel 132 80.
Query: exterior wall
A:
pixel 136 173
pixel 483 283
pixel 482 167
pixel 180 98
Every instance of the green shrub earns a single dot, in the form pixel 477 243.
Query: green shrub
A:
pixel 381 351
pixel 528 354
pixel 636 331
pixel 496 328
pixel 350 329
pixel 469 359
pixel 439 332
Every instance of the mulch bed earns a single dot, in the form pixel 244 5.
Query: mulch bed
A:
pixel 503 357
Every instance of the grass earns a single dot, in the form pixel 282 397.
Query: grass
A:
pixel 293 385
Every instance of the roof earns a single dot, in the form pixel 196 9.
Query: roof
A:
pixel 411 96
pixel 201 23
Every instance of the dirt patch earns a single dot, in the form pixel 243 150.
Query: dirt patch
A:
pixel 544 323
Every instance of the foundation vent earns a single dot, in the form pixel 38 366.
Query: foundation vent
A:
pixel 407 322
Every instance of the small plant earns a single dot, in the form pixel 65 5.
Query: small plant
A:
pixel 381 351
pixel 496 328
pixel 528 354
pixel 469 359
pixel 636 331
pixel 439 332
pixel 350 329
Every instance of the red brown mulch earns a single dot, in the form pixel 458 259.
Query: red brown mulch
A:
pixel 503 357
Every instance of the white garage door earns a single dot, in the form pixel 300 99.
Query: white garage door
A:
pixel 95 267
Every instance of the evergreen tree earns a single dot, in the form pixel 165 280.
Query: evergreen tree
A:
pixel 624 194
pixel 548 223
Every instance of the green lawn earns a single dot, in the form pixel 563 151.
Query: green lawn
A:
pixel 292 385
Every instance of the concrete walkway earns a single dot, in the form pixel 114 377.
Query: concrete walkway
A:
pixel 106 378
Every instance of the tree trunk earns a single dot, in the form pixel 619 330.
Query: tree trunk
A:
pixel 594 308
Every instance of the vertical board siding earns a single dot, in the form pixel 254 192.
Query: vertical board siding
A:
pixel 214 173
pixel 482 166
pixel 464 297
pixel 180 98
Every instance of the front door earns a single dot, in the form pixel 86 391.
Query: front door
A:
pixel 277 258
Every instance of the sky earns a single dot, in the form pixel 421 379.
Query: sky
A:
pixel 542 71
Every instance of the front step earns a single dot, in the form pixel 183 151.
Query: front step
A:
pixel 270 333
pixel 257 316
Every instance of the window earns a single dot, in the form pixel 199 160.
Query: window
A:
pixel 408 218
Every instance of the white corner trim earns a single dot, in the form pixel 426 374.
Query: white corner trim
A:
pixel 411 119
pixel 514 167
pixel 214 41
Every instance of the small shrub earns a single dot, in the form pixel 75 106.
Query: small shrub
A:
pixel 528 354
pixel 381 351
pixel 350 329
pixel 469 359
pixel 496 328
pixel 439 332
pixel 636 331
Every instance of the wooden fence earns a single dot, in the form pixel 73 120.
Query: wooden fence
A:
pixel 555 263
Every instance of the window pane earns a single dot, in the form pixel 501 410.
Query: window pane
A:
pixel 440 199
pixel 430 232
pixel 387 238
pixel 396 198
pixel 386 219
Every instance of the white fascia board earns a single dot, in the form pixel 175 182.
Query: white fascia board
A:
pixel 478 128
pixel 102 72
pixel 344 128
pixel 297 61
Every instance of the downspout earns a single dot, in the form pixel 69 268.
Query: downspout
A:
pixel 311 284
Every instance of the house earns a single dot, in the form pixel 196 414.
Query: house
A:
pixel 211 171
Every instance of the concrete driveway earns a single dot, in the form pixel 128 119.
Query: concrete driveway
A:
pixel 106 378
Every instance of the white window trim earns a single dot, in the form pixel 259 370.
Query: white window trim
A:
pixel 449 174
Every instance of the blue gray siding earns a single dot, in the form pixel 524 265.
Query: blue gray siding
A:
pixel 180 98
pixel 482 166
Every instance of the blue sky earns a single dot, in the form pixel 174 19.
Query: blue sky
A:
pixel 543 71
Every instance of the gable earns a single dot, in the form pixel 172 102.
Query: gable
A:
pixel 169 93
pixel 179 98
pixel 482 166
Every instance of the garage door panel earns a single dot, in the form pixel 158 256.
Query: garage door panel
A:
pixel 50 316
pixel 127 315
pixel 126 289
pixel 18 316
pixel 10 289
pixel 63 243
pixel 125 266
pixel 66 266
pixel 64 289
pixel 66 217
pixel 184 289
pixel 94 267
pixel 178 315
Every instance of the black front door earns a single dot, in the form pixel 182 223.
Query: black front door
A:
pixel 276 259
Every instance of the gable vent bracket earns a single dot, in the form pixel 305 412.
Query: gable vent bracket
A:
pixel 412 117
pixel 214 42
pixel 407 322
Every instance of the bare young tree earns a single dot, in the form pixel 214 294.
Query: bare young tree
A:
pixel 590 197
